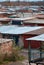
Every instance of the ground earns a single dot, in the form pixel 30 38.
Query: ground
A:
pixel 24 62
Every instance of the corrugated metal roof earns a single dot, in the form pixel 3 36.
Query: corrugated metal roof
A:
pixel 7 28
pixel 26 18
pixel 38 21
pixel 22 19
pixel 36 32
pixel 37 38
pixel 4 19
pixel 6 12
pixel 17 30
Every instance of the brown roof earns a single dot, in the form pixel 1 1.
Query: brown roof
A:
pixel 37 32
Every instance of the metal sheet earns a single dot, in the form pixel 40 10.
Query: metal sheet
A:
pixel 17 30
pixel 37 38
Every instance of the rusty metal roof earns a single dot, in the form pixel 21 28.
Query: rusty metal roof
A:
pixel 36 32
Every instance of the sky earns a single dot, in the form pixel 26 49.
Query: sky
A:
pixel 21 0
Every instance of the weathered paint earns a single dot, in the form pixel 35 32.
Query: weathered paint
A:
pixel 33 43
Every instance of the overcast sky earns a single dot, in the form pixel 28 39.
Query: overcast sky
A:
pixel 21 0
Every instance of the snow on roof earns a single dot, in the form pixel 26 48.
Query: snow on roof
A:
pixel 37 38
pixel 16 29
